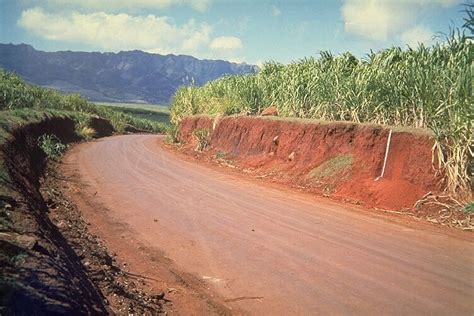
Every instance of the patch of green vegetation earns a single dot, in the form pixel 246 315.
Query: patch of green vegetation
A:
pixel 139 106
pixel 202 138
pixel 220 154
pixel 51 145
pixel 82 127
pixel 469 208
pixel 157 116
pixel 172 134
pixel 152 112
pixel 332 167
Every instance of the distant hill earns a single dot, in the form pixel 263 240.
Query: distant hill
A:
pixel 132 76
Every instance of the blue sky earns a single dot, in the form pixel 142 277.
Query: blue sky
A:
pixel 242 31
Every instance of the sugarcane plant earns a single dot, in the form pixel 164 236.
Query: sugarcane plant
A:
pixel 419 87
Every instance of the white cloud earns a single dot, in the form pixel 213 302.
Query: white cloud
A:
pixel 119 31
pixel 275 11
pixel 374 19
pixel 114 32
pixel 379 19
pixel 226 43
pixel 114 5
pixel 417 35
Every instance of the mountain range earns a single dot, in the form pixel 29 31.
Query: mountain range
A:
pixel 131 76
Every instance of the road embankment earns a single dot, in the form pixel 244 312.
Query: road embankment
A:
pixel 41 273
pixel 50 262
pixel 370 165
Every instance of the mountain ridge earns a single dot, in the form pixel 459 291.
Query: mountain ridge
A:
pixel 126 76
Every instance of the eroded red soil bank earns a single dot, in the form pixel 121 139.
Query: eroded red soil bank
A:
pixel 41 273
pixel 341 160
pixel 50 264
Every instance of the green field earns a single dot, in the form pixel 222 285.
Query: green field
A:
pixel 153 112
pixel 19 95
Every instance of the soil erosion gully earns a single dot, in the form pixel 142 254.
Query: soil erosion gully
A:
pixel 269 251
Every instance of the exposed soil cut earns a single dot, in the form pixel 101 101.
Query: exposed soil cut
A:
pixel 341 160
pixel 101 126
pixel 40 271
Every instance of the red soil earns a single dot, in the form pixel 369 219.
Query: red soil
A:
pixel 291 150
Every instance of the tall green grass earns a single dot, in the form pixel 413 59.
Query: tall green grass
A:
pixel 423 87
pixel 15 93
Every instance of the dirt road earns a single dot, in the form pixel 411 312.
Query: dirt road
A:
pixel 268 251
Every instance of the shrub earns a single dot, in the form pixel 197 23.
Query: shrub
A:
pixel 51 145
pixel 172 134
pixel 83 128
pixel 202 138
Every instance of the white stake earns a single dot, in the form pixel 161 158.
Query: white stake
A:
pixel 386 155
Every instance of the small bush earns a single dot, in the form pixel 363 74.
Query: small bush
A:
pixel 51 145
pixel 87 133
pixel 83 128
pixel 202 138
pixel 172 134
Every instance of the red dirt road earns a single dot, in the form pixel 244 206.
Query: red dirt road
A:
pixel 266 251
